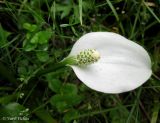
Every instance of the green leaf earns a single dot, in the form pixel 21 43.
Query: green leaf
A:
pixel 22 70
pixel 64 102
pixel 87 5
pixel 3 36
pixel 59 103
pixel 8 98
pixel 156 109
pixel 69 89
pixel 64 9
pixel 70 115
pixel 65 25
pixel 43 47
pixel 35 39
pixel 83 88
pixel 42 56
pixel 45 116
pixel 30 27
pixel 44 36
pixel 12 111
pixel 54 85
pixel 119 116
pixel 29 47
pixel 41 37
pixel 76 16
pixel 6 88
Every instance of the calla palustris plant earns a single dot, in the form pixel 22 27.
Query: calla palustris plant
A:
pixel 109 63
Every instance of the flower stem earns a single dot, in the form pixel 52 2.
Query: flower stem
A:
pixel 62 64
pixel 50 69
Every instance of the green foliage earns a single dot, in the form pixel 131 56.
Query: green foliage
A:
pixel 41 37
pixel 66 98
pixel 29 27
pixel 8 98
pixel 54 85
pixel 65 102
pixel 11 113
pixel 69 89
pixel 37 41
pixel 36 34
pixel 45 116
pixel 68 117
pixel 3 37
pixel 118 116
pixel 42 56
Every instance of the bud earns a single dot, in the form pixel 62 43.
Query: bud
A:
pixel 87 57
pixel 21 95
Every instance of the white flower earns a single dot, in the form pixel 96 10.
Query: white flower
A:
pixel 122 66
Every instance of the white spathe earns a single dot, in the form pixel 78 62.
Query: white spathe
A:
pixel 123 64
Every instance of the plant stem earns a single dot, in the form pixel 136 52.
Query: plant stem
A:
pixel 50 69
pixel 67 61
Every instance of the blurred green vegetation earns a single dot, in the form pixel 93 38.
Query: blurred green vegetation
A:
pixel 35 34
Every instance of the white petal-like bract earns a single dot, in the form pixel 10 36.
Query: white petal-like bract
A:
pixel 123 64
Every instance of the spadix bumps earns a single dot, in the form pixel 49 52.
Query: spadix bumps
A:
pixel 87 57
